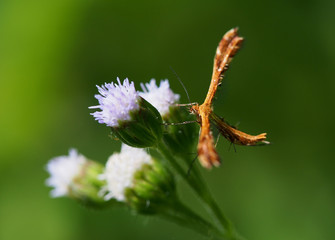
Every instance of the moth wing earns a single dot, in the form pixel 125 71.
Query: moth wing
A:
pixel 236 136
pixel 226 50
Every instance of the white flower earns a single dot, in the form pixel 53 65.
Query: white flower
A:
pixel 120 169
pixel 62 170
pixel 160 97
pixel 116 102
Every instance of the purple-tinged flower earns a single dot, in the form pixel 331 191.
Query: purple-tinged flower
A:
pixel 179 138
pixel 116 102
pixel 161 97
pixel 132 119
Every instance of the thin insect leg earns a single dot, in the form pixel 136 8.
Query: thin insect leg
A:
pixel 232 144
pixel 217 140
pixel 185 104
pixel 191 165
pixel 113 137
pixel 182 123
pixel 234 147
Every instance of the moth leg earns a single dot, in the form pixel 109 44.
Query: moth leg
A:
pixel 191 165
pixel 217 140
pixel 181 123
pixel 232 144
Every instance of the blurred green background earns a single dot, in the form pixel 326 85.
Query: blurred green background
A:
pixel 53 53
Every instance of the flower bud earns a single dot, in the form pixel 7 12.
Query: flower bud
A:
pixel 161 97
pixel 134 177
pixel 76 177
pixel 132 119
pixel 144 129
pixel 179 138
pixel 153 187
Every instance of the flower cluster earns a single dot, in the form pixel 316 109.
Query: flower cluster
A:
pixel 140 175
pixel 135 119
pixel 149 125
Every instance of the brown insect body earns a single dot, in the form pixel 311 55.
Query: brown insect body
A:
pixel 207 153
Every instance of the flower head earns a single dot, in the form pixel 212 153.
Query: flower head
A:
pixel 132 119
pixel 116 102
pixel 134 177
pixel 76 177
pixel 179 139
pixel 63 170
pixel 160 97
pixel 120 170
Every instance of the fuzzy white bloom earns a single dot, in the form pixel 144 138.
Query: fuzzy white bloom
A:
pixel 62 170
pixel 160 97
pixel 120 169
pixel 116 102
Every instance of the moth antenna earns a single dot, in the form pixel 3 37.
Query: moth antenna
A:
pixel 181 83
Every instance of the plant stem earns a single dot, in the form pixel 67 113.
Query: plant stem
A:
pixel 195 181
pixel 179 213
pixel 211 204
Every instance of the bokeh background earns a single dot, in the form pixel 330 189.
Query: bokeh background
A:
pixel 53 53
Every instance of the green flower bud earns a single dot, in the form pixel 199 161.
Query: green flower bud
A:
pixel 153 187
pixel 144 129
pixel 180 138
pixel 135 178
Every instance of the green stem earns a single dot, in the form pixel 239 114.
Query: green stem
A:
pixel 196 182
pixel 211 204
pixel 179 213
